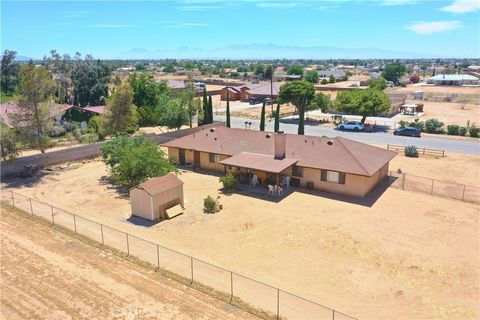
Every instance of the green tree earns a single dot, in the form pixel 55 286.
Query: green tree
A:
pixel 205 106
pixel 34 106
pixel 169 68
pixel 189 102
pixel 311 76
pixel 277 118
pixel 86 75
pixel 140 66
pixel 331 79
pixel 262 118
pixel 228 110
pixel 295 69
pixel 299 93
pixel 394 71
pixel 132 160
pixel 377 84
pixel 98 124
pixel 9 72
pixel 210 110
pixel 10 144
pixel 146 91
pixel 121 113
pixel 172 113
pixel 320 102
pixel 367 102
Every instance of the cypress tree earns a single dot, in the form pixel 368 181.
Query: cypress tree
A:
pixel 301 121
pixel 205 106
pixel 228 110
pixel 277 118
pixel 262 118
pixel 210 110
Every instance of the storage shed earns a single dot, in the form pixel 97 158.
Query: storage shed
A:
pixel 152 198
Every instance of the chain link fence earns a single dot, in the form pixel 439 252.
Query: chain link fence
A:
pixel 434 187
pixel 253 296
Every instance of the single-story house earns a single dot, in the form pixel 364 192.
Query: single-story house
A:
pixel 336 165
pixel 397 100
pixel 250 90
pixel 152 198
pixel 337 74
pixel 10 116
pixel 453 80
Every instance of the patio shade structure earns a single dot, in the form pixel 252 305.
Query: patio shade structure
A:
pixel 260 162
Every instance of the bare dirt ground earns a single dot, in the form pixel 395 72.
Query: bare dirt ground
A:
pixel 441 90
pixel 450 112
pixel 403 256
pixel 46 274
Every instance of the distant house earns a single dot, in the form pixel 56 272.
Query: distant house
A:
pixel 250 90
pixel 453 80
pixel 176 84
pixel 396 100
pixel 126 69
pixel 9 112
pixel 336 165
pixel 337 74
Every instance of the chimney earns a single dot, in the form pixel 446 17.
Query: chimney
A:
pixel 280 145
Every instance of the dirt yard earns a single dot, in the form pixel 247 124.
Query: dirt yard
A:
pixel 397 257
pixel 450 112
pixel 46 274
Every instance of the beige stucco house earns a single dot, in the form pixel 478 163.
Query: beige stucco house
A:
pixel 336 165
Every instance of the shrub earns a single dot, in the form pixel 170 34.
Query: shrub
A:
pixel 229 181
pixel 77 133
pixel 89 138
pixel 209 204
pixel 418 124
pixel 403 123
pixel 473 131
pixel 324 81
pixel 411 151
pixel 433 126
pixel 453 129
pixel 462 131
pixel 414 78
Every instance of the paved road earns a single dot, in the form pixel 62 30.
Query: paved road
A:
pixel 467 146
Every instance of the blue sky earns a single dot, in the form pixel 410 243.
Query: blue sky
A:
pixel 112 29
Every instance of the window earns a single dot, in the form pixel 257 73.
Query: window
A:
pixel 333 176
pixel 213 158
pixel 297 171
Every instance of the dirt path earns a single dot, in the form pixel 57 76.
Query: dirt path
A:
pixel 48 275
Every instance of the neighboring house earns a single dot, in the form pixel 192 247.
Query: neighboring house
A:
pixel 336 165
pixel 152 198
pixel 250 90
pixel 396 100
pixel 175 84
pixel 453 80
pixel 337 74
pixel 8 110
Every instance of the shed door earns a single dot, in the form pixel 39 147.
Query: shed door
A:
pixel 181 156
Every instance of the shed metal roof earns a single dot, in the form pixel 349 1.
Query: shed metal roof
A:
pixel 158 185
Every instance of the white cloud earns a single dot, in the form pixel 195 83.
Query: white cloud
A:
pixel 110 26
pixel 426 28
pixel 462 6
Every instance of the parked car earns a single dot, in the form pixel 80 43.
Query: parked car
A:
pixel 408 131
pixel 351 125
pixel 255 100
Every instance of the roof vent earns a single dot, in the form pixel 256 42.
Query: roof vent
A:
pixel 215 139
pixel 268 136
pixel 330 142
pixel 212 130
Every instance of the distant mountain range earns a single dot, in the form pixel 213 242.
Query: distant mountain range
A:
pixel 269 51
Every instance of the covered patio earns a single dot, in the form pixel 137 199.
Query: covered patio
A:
pixel 260 173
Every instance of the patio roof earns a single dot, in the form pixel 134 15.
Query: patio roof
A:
pixel 257 161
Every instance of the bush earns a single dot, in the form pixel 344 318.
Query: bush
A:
pixel 89 138
pixel 77 133
pixel 324 81
pixel 209 204
pixel 418 124
pixel 147 116
pixel 414 78
pixel 403 123
pixel 433 126
pixel 473 131
pixel 462 131
pixel 453 129
pixel 229 181
pixel 411 151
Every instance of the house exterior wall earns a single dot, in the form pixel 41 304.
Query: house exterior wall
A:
pixel 206 164
pixel 231 95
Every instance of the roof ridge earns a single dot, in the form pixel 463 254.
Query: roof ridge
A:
pixel 356 160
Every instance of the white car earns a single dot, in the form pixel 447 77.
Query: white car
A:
pixel 351 125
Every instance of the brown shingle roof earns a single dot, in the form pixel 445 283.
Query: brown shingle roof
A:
pixel 337 154
pixel 256 161
pixel 158 185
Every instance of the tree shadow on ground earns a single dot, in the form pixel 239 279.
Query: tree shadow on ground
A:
pixel 29 182
pixel 122 192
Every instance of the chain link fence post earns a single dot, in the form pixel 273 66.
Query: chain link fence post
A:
pixel 53 218
pixel 231 287
pixel 158 258
pixel 101 231
pixel 128 246
pixel 13 199
pixel 333 314
pixel 31 206
pixel 278 303
pixel 191 267
pixel 74 223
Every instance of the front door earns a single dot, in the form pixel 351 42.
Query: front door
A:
pixel 196 159
pixel 181 156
